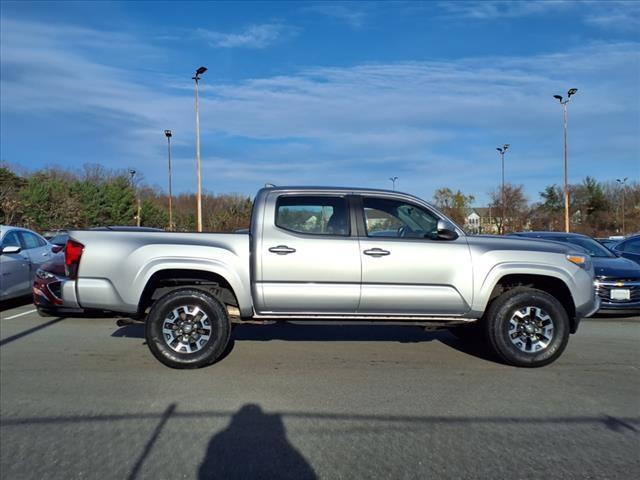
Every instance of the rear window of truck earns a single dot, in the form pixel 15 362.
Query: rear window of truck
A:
pixel 315 215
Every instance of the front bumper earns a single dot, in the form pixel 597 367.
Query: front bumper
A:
pixel 603 288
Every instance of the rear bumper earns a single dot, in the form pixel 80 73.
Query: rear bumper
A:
pixel 69 297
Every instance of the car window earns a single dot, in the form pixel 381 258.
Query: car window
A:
pixel 631 246
pixel 30 240
pixel 317 215
pixel 11 239
pixel 60 239
pixel 395 219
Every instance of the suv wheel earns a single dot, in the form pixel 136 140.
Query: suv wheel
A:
pixel 526 327
pixel 187 328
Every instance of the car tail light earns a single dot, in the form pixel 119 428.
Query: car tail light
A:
pixel 72 254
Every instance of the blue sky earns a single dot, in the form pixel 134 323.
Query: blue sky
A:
pixel 332 93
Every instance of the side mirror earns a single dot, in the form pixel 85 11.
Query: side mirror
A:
pixel 11 249
pixel 56 249
pixel 446 230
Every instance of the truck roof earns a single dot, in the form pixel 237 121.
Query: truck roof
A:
pixel 317 188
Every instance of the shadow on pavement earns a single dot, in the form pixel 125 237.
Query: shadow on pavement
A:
pixel 15 303
pixel 314 333
pixel 24 333
pixel 254 445
pixel 616 314
pixel 334 333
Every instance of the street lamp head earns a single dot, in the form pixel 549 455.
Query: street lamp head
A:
pixel 499 149
pixel 199 72
pixel 558 97
pixel 132 172
pixel 572 91
pixel 167 133
pixel 505 147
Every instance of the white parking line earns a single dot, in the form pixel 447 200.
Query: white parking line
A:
pixel 21 314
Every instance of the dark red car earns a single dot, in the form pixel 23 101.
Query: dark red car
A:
pixel 47 285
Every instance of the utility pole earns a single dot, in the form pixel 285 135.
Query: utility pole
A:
pixel 563 102
pixel 393 182
pixel 623 186
pixel 502 150
pixel 168 134
pixel 196 78
pixel 132 174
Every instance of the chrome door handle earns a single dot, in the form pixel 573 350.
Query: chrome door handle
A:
pixel 282 250
pixel 377 252
pixel 45 254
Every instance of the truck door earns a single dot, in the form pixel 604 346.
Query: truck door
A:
pixel 405 268
pixel 309 260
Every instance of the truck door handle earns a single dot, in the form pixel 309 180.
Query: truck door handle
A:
pixel 377 252
pixel 282 250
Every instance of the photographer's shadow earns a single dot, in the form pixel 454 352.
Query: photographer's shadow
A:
pixel 254 445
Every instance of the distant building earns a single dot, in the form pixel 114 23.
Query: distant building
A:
pixel 481 220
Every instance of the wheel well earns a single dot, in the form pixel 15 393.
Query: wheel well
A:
pixel 165 281
pixel 552 285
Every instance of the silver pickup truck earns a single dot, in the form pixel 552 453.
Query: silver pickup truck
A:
pixel 335 254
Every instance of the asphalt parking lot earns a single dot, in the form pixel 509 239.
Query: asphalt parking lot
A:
pixel 83 398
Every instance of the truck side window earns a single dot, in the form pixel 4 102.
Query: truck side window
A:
pixel 316 215
pixel 392 218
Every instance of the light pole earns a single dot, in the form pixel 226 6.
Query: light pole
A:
pixel 563 102
pixel 132 173
pixel 623 186
pixel 196 77
pixel 393 182
pixel 167 134
pixel 502 150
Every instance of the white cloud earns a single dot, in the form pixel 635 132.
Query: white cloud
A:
pixel 490 9
pixel 349 13
pixel 253 36
pixel 611 14
pixel 432 123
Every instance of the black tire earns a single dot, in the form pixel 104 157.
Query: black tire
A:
pixel 210 351
pixel 497 324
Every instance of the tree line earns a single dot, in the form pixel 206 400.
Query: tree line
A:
pixel 596 208
pixel 56 198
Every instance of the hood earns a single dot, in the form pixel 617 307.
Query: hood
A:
pixel 616 267
pixel 494 242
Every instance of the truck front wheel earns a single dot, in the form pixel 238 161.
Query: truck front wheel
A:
pixel 527 327
pixel 187 328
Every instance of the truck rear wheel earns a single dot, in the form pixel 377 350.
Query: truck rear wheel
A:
pixel 527 327
pixel 187 328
